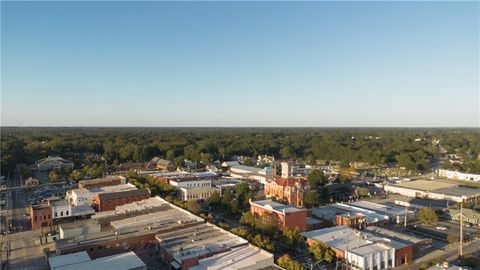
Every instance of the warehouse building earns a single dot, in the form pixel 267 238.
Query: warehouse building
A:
pixel 436 189
pixel 81 261
pixel 363 251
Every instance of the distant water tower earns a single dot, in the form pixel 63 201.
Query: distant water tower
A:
pixel 287 170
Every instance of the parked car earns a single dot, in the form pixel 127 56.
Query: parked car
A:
pixel 442 228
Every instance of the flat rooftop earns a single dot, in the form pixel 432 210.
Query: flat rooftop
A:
pixel 329 212
pixel 97 237
pixel 441 187
pixel 338 237
pixel 122 261
pixel 77 224
pixel 275 206
pixel 368 249
pixel 166 218
pixel 153 212
pixel 244 257
pixel 56 262
pixel 379 208
pixel 198 240
pixel 345 238
pixel 426 185
pixel 391 234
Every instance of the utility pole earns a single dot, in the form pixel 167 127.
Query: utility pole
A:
pixel 461 231
pixel 406 214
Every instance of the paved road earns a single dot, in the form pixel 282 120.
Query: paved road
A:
pixel 449 253
pixel 19 243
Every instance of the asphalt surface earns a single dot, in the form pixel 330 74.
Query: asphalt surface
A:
pixel 18 245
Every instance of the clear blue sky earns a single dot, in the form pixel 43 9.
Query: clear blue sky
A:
pixel 240 63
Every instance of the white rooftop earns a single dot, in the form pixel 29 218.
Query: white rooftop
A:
pixel 122 261
pixel 337 237
pixel 275 206
pixel 244 257
pixel 62 260
pixel 368 249
pixel 379 208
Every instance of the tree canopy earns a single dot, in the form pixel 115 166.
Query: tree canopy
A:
pixel 87 146
pixel 428 216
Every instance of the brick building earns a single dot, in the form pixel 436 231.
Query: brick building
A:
pixel 364 250
pixel 106 243
pixel 356 221
pixel 41 216
pixel 286 188
pixel 287 216
pixel 108 201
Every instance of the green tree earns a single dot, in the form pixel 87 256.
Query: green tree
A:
pixel 311 199
pixel 249 219
pixel 267 222
pixel 292 237
pixel 322 252
pixel 428 216
pixel 325 195
pixel 53 176
pixel 452 239
pixel 242 232
pixel 215 200
pixel 262 242
pixel 316 179
pixel 288 263
pixel 76 175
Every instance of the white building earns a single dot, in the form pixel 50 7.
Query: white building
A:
pixel 62 209
pixel 53 163
pixel 373 256
pixel 190 182
pixel 196 193
pixel 459 175
pixel 83 196
pixel 362 251
pixel 396 214
pixel 247 257
pixel 81 260
pixel 254 173
pixel 74 229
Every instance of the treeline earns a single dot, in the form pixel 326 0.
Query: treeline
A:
pixel 412 148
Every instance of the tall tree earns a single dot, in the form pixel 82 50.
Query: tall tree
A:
pixel 311 199
pixel 428 216
pixel 322 252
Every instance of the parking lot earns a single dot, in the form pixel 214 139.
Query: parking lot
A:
pixel 43 193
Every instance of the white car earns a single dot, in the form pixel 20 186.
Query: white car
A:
pixel 441 228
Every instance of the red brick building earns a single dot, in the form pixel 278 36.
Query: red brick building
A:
pixel 356 221
pixel 108 201
pixel 286 188
pixel 41 216
pixel 287 216
pixel 103 244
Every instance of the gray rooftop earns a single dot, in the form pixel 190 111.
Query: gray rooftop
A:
pixel 275 206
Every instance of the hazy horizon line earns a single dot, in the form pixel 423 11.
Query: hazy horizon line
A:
pixel 266 127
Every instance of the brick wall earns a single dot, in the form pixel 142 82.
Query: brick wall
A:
pixel 41 217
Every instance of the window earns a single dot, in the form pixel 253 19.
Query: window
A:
pixel 61 213
pixel 56 214
pixel 66 213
